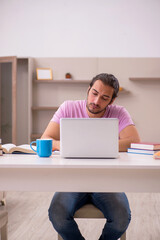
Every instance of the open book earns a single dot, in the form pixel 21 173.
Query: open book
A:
pixel 12 148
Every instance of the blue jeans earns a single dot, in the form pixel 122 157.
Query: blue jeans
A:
pixel 114 206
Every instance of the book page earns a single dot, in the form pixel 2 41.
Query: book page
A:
pixel 24 148
pixel 6 147
pixel 12 148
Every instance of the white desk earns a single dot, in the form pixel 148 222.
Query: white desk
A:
pixel 128 173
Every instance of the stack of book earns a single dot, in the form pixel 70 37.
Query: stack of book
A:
pixel 1 151
pixel 144 148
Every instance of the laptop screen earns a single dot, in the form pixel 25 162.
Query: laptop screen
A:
pixel 89 137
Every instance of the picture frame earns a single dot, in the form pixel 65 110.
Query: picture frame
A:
pixel 44 74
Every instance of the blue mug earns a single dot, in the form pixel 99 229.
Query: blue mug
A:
pixel 44 147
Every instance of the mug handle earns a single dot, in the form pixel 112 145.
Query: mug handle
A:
pixel 32 147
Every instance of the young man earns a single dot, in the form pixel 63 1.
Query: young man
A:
pixel 101 94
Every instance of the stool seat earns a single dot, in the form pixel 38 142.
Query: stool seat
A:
pixel 90 211
pixel 3 223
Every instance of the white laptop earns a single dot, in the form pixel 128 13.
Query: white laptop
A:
pixel 89 137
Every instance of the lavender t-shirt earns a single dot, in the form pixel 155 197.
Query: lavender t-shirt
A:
pixel 77 109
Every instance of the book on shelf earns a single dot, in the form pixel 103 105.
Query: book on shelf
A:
pixel 141 151
pixel 12 148
pixel 146 146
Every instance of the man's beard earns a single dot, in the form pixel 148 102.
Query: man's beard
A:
pixel 96 111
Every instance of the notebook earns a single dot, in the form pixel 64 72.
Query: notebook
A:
pixel 89 137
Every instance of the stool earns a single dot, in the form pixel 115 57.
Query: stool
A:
pixel 3 223
pixel 90 211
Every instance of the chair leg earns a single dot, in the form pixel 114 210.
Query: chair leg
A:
pixel 123 237
pixel 4 235
pixel 59 237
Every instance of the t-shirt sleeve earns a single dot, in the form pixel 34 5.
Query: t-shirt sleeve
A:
pixel 60 113
pixel 124 119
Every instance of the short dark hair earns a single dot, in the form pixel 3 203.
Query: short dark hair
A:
pixel 107 79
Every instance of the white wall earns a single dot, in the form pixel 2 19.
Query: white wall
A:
pixel 90 28
pixel 84 28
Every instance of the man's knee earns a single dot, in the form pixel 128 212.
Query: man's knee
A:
pixel 122 221
pixel 58 217
pixel 55 217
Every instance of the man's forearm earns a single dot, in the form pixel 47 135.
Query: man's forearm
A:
pixel 124 144
pixel 55 143
pixel 127 136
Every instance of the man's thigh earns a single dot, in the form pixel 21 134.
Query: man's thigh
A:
pixel 110 203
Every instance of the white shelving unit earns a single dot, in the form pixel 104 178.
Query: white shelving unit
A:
pixel 37 100
pixel 67 90
pixel 47 95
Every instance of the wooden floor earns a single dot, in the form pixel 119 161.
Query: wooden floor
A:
pixel 28 218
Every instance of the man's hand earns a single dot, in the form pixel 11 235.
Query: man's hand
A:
pixel 56 145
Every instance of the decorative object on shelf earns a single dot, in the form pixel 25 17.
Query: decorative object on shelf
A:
pixel 123 90
pixel 68 76
pixel 44 74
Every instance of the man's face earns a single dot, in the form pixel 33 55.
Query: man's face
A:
pixel 99 97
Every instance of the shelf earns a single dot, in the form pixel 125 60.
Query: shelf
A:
pixel 144 78
pixel 34 108
pixel 70 81
pixel 62 81
pixel 123 90
pixel 35 136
